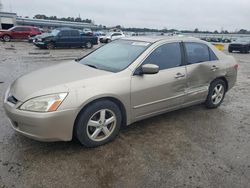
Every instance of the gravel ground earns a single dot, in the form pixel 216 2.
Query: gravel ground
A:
pixel 192 147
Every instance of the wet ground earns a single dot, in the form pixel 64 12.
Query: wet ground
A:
pixel 193 147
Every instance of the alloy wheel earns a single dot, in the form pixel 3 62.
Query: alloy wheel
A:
pixel 89 45
pixel 6 38
pixel 101 125
pixel 218 94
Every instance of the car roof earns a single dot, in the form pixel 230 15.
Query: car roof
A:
pixel 25 26
pixel 153 39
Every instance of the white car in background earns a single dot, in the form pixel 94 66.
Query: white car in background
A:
pixel 111 36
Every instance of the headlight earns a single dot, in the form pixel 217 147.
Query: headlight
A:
pixel 47 103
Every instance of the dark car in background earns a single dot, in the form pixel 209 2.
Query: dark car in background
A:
pixel 19 32
pixel 65 37
pixel 241 44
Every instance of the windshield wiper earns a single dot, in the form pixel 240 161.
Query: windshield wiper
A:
pixel 93 66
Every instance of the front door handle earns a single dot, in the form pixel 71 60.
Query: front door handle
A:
pixel 214 67
pixel 179 75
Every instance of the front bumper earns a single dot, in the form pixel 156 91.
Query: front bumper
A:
pixel 40 44
pixel 52 126
pixel 103 40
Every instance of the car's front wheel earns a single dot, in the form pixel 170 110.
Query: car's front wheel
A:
pixel 50 46
pixel 216 94
pixel 98 124
pixel 6 38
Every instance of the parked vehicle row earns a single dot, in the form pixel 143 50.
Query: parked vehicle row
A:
pixel 216 39
pixel 65 37
pixel 125 81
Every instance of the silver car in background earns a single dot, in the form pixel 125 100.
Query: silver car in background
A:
pixel 118 84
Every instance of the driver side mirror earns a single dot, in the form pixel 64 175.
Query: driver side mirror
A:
pixel 149 69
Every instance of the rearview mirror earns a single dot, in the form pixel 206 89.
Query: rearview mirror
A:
pixel 150 69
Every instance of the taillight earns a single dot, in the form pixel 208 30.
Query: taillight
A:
pixel 236 66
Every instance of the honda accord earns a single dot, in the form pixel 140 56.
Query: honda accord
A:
pixel 125 81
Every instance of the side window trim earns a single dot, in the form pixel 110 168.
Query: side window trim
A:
pixel 183 54
pixel 185 59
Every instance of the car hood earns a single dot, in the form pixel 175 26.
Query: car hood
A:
pixel 44 35
pixel 53 79
pixel 4 30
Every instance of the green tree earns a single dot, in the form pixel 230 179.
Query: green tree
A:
pixel 196 30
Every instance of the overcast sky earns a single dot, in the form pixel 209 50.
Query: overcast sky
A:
pixel 179 14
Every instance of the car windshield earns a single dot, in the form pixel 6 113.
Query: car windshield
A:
pixel 109 34
pixel 10 29
pixel 54 32
pixel 115 56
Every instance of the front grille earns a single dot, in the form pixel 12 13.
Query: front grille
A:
pixel 12 99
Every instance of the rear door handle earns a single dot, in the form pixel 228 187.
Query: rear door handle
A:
pixel 214 67
pixel 179 75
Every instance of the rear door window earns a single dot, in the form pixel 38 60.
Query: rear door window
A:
pixel 17 29
pixel 74 33
pixel 65 33
pixel 197 52
pixel 25 29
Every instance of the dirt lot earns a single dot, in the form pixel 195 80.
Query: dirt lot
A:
pixel 193 147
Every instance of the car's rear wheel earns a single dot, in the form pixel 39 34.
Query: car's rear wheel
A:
pixel 89 45
pixel 98 124
pixel 6 38
pixel 51 46
pixel 216 94
pixel 247 50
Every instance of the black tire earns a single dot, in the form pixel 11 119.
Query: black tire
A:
pixel 88 45
pixel 108 41
pixel 247 50
pixel 230 50
pixel 50 46
pixel 210 102
pixel 81 129
pixel 6 38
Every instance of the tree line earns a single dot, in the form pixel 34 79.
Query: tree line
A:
pixel 141 30
pixel 71 19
